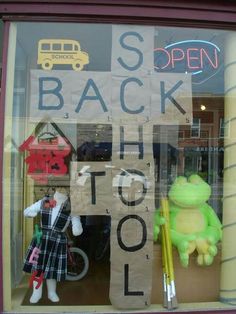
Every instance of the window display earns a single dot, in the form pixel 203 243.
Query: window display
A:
pixel 110 122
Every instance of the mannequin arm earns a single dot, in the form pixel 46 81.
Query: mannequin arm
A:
pixel 32 210
pixel 77 228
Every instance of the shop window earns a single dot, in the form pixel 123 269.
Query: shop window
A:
pixel 111 127
pixel 196 127
pixel 224 129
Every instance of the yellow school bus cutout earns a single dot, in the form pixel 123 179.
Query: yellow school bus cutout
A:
pixel 61 51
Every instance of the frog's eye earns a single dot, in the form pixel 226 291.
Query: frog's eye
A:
pixel 180 180
pixel 195 179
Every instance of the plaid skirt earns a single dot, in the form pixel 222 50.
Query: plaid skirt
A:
pixel 52 260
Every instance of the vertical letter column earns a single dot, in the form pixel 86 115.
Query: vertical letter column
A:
pixel 132 216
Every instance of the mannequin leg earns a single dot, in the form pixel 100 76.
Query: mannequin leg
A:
pixel 51 286
pixel 37 293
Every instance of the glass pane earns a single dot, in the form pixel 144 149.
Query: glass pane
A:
pixel 99 137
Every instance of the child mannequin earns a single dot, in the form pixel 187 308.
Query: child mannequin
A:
pixel 52 259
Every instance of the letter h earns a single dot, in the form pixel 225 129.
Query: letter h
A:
pixel 133 143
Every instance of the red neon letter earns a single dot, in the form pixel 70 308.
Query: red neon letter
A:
pixel 203 51
pixel 177 54
pixel 167 56
pixel 190 58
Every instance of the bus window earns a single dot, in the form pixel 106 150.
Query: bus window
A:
pixel 68 47
pixel 45 47
pixel 56 47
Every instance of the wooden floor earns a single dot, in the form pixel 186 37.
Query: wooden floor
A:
pixel 93 289
pixel 193 284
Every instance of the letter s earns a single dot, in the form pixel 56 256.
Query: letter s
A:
pixel 136 50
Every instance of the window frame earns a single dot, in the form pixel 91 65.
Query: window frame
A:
pixel 174 13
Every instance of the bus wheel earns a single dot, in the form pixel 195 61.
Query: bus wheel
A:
pixel 77 66
pixel 47 65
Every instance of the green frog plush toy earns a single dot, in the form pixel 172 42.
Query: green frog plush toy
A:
pixel 193 223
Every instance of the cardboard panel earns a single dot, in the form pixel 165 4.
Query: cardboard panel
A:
pixel 70 96
pixel 90 188
pixel 131 260
pixel 132 49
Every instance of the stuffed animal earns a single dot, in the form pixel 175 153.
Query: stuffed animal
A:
pixel 194 225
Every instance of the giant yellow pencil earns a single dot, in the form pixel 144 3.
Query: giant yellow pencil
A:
pixel 164 268
pixel 168 257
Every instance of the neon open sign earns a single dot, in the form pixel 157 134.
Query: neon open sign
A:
pixel 190 56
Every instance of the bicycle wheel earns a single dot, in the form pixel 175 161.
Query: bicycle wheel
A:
pixel 77 265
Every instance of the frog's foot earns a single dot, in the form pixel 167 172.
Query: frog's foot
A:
pixel 212 250
pixel 191 247
pixel 185 247
pixel 184 259
pixel 205 259
pixel 206 252
pixel 187 244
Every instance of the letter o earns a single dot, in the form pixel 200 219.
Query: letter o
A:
pixel 135 202
pixel 144 235
pixel 164 56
